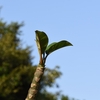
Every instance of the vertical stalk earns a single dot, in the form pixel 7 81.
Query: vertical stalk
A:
pixel 35 83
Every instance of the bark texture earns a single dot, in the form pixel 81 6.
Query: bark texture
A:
pixel 35 83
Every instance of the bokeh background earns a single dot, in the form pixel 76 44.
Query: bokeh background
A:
pixel 77 21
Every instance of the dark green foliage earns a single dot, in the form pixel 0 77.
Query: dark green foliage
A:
pixel 15 85
pixel 15 63
pixel 42 41
pixel 16 69
pixel 57 45
pixel 45 49
pixel 11 53
pixel 64 97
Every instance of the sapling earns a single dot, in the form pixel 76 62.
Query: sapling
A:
pixel 44 50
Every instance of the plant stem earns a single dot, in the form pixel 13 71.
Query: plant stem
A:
pixel 35 83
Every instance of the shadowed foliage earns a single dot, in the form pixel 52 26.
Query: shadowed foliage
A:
pixel 17 70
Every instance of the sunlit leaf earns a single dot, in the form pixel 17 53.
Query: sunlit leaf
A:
pixel 41 40
pixel 57 45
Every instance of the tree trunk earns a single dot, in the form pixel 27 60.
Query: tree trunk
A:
pixel 35 83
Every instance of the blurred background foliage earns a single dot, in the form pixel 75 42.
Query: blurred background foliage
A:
pixel 17 70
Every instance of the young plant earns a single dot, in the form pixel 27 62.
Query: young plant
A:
pixel 44 50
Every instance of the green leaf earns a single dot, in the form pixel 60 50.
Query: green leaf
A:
pixel 57 45
pixel 41 40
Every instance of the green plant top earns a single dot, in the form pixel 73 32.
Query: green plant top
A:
pixel 44 49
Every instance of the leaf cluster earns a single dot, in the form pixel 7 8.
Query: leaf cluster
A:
pixel 45 49
pixel 16 69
